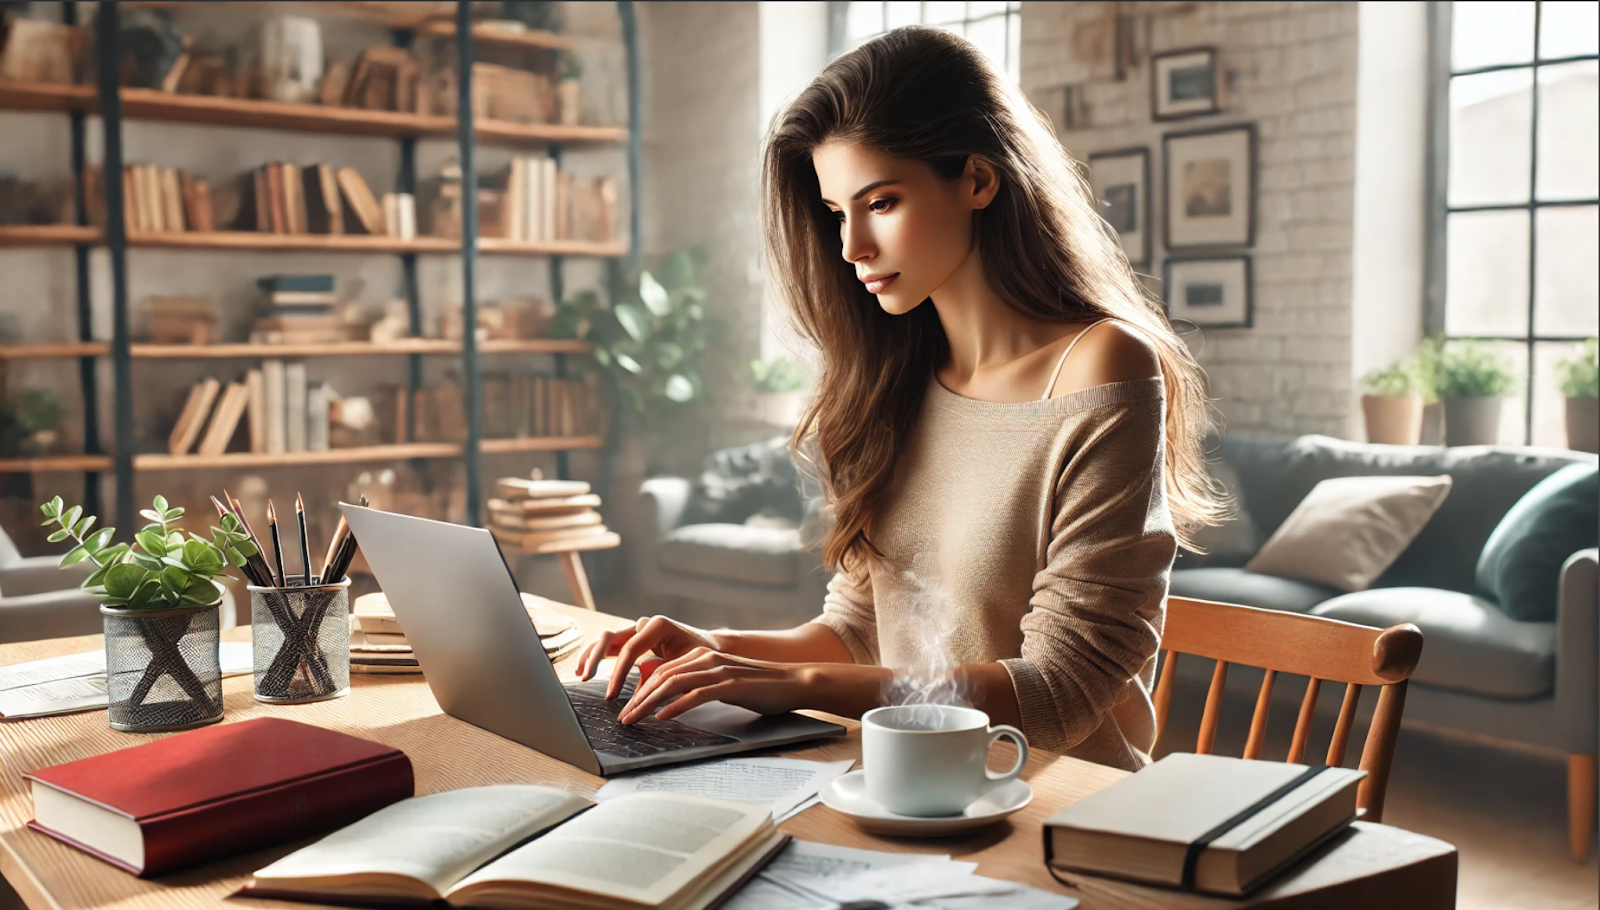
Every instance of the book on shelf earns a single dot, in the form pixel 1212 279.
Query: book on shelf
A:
pixel 224 420
pixel 190 419
pixel 217 791
pixel 180 320
pixel 256 412
pixel 526 846
pixel 364 208
pixel 296 284
pixel 1143 827
pixel 318 401
pixel 324 209
pixel 294 383
pixel 275 396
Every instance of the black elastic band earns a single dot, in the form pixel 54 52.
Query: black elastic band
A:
pixel 1191 857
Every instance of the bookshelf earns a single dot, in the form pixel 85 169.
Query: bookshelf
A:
pixel 116 105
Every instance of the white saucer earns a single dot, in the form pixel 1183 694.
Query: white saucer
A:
pixel 848 794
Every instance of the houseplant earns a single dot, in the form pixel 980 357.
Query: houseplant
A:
pixel 1393 403
pixel 1471 378
pixel 780 385
pixel 1580 382
pixel 159 599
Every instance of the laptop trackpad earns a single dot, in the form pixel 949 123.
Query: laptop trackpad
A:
pixel 730 720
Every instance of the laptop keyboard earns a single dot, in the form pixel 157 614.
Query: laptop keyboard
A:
pixel 648 736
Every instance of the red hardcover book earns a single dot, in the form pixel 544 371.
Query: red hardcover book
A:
pixel 214 792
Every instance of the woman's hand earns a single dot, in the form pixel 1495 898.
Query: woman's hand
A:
pixel 766 687
pixel 667 637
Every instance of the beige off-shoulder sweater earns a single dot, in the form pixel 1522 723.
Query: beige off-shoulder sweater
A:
pixel 1037 534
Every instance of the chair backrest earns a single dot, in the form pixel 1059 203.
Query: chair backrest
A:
pixel 1325 650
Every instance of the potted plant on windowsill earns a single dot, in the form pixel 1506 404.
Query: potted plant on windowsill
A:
pixel 1580 382
pixel 781 389
pixel 1471 381
pixel 159 599
pixel 1393 403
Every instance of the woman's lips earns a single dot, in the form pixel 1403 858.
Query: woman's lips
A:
pixel 876 287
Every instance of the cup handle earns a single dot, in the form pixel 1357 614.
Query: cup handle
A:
pixel 1015 735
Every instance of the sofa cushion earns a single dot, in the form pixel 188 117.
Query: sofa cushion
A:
pixel 737 553
pixel 1348 530
pixel 1520 567
pixel 1468 644
pixel 1486 481
pixel 734 484
pixel 1237 586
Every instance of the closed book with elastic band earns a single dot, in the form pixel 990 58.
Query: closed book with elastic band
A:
pixel 1203 822
pixel 214 792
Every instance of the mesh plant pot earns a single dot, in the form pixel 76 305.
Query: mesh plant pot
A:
pixel 302 642
pixel 163 668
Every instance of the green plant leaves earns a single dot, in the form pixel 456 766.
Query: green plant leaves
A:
pixel 678 388
pixel 122 581
pixel 153 542
pixel 653 295
pixel 59 536
pixel 633 321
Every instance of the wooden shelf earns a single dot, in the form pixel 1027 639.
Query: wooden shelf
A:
pixel 46 235
pixel 538 444
pixel 156 461
pixel 165 107
pixel 351 349
pixel 366 243
pixel 496 246
pixel 487 34
pixel 55 463
pixel 50 351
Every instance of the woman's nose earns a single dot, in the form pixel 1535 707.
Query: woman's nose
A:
pixel 857 246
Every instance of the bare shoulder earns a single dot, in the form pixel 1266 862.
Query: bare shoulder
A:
pixel 1111 351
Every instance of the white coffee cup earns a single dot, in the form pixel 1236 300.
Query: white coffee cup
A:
pixel 929 760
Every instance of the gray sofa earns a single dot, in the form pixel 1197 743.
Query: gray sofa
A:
pixel 1481 671
pixel 695 557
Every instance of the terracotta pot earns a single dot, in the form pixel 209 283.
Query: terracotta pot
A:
pixel 1583 424
pixel 1472 421
pixel 1393 419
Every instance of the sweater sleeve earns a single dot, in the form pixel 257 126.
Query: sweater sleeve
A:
pixel 1096 611
pixel 848 611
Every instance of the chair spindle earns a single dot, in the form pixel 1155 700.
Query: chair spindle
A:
pixel 1208 720
pixel 1341 729
pixel 1258 723
pixel 1302 726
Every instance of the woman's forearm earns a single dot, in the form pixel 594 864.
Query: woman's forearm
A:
pixel 811 643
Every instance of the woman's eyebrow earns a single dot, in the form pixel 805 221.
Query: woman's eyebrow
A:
pixel 865 190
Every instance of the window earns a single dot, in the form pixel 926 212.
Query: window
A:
pixel 995 27
pixel 1515 215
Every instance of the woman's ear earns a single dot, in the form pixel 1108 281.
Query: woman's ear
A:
pixel 985 181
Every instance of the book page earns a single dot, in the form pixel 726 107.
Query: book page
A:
pixel 433 839
pixel 643 847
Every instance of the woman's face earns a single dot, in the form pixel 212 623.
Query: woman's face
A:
pixel 899 221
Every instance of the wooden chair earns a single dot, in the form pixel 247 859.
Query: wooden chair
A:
pixel 1326 650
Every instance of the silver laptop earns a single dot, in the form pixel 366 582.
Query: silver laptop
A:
pixel 455 597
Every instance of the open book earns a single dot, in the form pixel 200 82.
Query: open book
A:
pixel 524 846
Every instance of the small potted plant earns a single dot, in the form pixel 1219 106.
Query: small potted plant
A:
pixel 159 599
pixel 781 385
pixel 1393 403
pixel 569 90
pixel 1580 382
pixel 1471 380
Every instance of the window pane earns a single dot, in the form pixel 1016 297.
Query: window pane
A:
pixel 1567 29
pixel 904 13
pixel 954 28
pixel 990 37
pixel 1567 277
pixel 1487 33
pixel 1486 273
pixel 943 12
pixel 863 20
pixel 977 9
pixel 1490 124
pixel 1569 131
pixel 1514 406
pixel 1014 47
pixel 1549 401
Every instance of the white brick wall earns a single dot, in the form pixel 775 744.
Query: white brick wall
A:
pixel 1291 69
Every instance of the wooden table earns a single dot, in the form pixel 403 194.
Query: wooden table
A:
pixel 448 754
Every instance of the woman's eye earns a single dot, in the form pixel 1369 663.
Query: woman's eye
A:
pixel 886 203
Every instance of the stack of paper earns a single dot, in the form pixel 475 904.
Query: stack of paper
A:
pixel 788 786
pixel 378 644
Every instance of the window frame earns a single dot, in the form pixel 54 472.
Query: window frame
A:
pixel 1440 73
pixel 839 16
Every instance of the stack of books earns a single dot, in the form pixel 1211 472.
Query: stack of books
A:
pixel 378 644
pixel 181 320
pixel 300 309
pixel 281 408
pixel 548 516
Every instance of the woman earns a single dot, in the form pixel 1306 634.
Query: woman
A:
pixel 998 401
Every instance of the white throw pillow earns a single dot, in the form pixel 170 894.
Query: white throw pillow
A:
pixel 1348 530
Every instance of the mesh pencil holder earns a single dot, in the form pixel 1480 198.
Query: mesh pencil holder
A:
pixel 163 670
pixel 302 642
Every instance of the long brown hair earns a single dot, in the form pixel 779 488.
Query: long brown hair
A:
pixel 925 94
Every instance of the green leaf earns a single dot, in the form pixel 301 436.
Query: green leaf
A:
pixel 94 579
pixel 202 558
pixel 668 355
pixel 152 542
pixel 653 295
pixel 123 580
pixel 173 514
pixel 98 542
pixel 59 536
pixel 84 526
pixel 152 517
pixel 174 540
pixel 174 581
pixel 108 601
pixel 56 505
pixel 151 563
pixel 628 363
pixel 74 556
pixel 601 356
pixel 160 502
pixel 149 595
pixel 678 388
pixel 111 555
pixel 200 591
pixel 634 322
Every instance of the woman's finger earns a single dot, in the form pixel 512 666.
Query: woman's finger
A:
pixel 677 685
pixel 597 650
pixel 649 633
pixel 727 690
pixel 698 659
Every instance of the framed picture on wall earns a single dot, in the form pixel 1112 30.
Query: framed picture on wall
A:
pixel 1121 183
pixel 1184 84
pixel 1210 187
pixel 1212 292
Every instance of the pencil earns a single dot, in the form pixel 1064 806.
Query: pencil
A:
pixel 335 545
pixel 249 567
pixel 277 545
pixel 305 544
